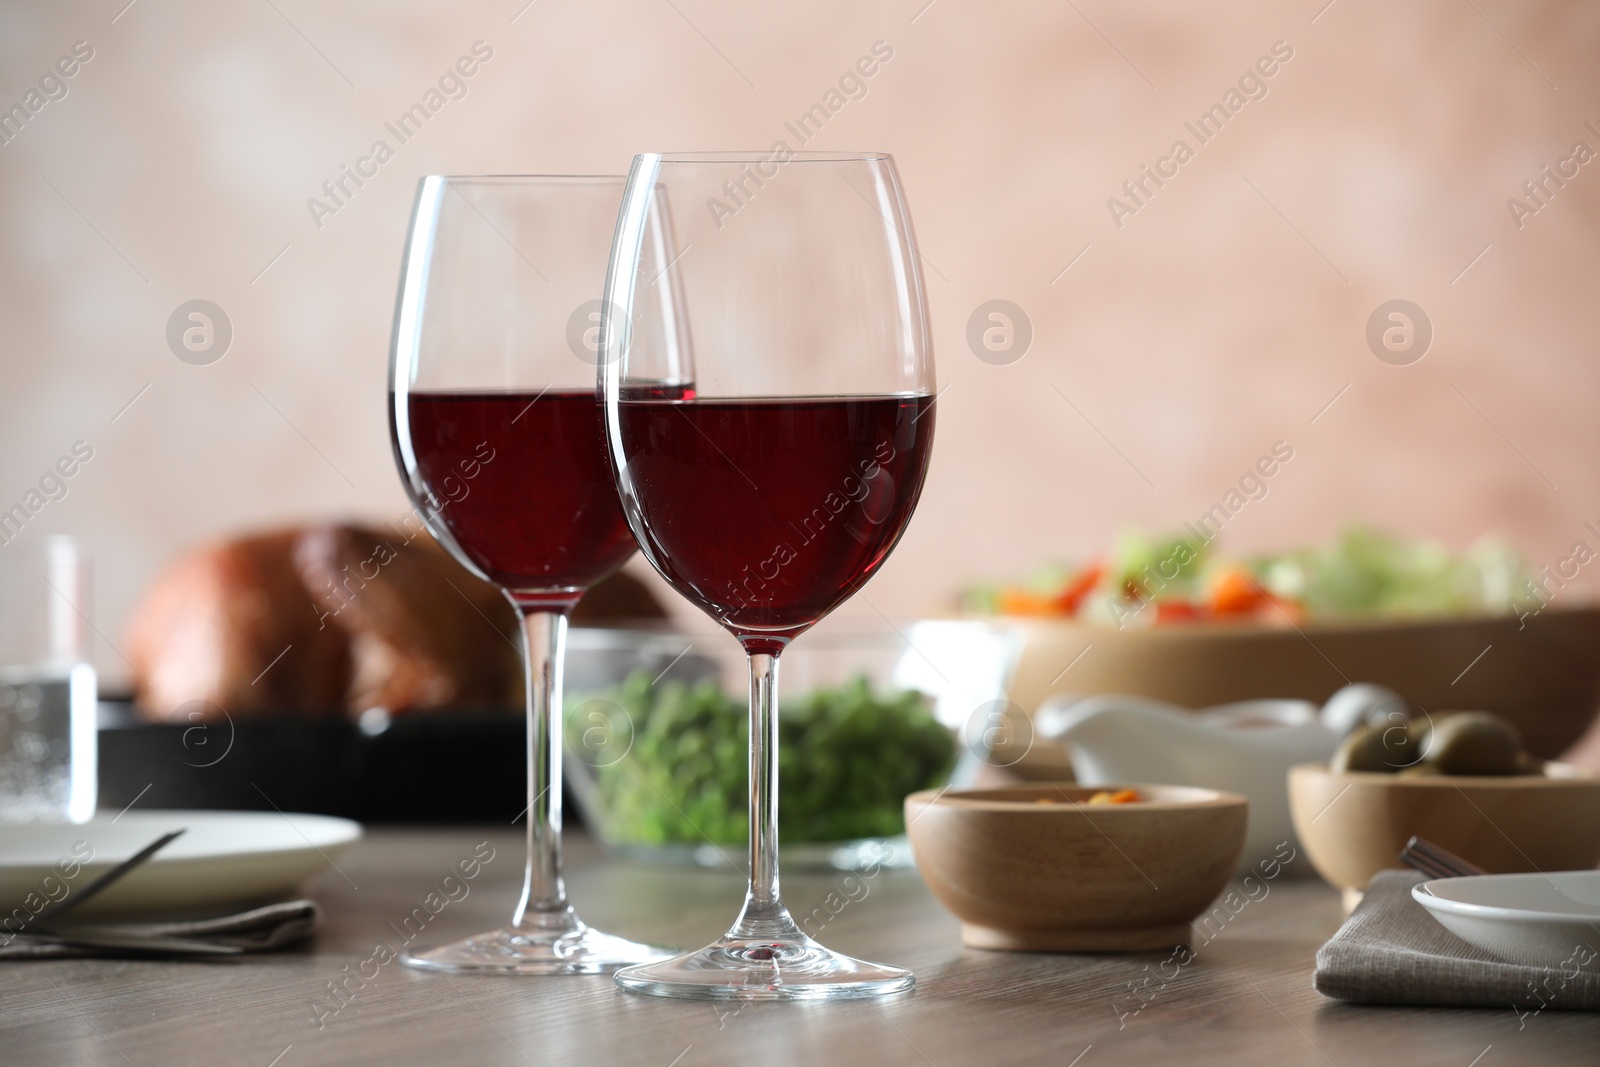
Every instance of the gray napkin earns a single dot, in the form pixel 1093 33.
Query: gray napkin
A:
pixel 1393 951
pixel 256 930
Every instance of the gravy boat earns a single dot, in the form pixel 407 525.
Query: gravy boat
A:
pixel 1245 747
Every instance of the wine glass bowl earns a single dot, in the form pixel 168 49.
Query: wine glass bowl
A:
pixel 772 485
pixel 497 431
pixel 815 491
pixel 546 445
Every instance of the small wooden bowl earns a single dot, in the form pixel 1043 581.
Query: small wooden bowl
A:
pixel 1063 877
pixel 1354 824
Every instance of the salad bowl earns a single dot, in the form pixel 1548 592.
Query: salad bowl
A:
pixel 654 736
pixel 1174 619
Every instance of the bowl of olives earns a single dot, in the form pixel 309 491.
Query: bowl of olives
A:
pixel 1460 779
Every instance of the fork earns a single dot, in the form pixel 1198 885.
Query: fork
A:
pixel 67 903
pixel 1436 862
pixel 88 937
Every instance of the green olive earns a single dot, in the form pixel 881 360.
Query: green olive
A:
pixel 1420 770
pixel 1386 747
pixel 1403 742
pixel 1367 750
pixel 1473 742
pixel 1355 753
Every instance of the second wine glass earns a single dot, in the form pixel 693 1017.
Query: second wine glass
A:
pixel 771 487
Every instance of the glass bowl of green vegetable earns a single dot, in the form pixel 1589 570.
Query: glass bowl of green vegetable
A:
pixel 657 722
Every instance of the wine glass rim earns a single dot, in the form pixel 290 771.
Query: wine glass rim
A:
pixel 775 154
pixel 540 179
pixel 708 399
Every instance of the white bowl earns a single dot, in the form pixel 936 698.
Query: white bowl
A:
pixel 1539 920
pixel 225 859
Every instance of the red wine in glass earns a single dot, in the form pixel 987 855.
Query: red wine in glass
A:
pixel 770 513
pixel 523 485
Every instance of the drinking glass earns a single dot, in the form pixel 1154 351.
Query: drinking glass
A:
pixel 770 486
pixel 497 431
pixel 47 686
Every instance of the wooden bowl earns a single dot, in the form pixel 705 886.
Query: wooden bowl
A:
pixel 1543 676
pixel 1354 824
pixel 1065 877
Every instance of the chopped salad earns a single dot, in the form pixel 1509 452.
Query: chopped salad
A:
pixel 1364 573
pixel 847 756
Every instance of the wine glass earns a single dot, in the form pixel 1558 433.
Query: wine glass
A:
pixel 496 426
pixel 770 486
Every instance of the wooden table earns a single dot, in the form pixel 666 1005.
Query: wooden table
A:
pixel 1246 999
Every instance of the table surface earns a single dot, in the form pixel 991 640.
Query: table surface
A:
pixel 1246 998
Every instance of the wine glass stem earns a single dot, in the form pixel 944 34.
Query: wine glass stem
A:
pixel 762 903
pixel 544 895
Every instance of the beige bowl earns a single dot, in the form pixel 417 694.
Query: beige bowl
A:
pixel 1354 824
pixel 1063 877
pixel 1544 677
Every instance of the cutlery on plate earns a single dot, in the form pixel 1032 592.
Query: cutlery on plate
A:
pixel 87 937
pixel 67 903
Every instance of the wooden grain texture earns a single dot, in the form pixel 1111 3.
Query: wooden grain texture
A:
pixel 1245 999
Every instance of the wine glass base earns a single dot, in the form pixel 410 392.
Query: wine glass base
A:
pixel 765 969
pixel 510 950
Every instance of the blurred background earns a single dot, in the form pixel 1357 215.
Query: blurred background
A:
pixel 1153 348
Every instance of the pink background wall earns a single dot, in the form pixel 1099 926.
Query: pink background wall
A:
pixel 1220 318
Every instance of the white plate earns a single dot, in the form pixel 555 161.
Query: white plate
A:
pixel 1533 919
pixel 226 859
